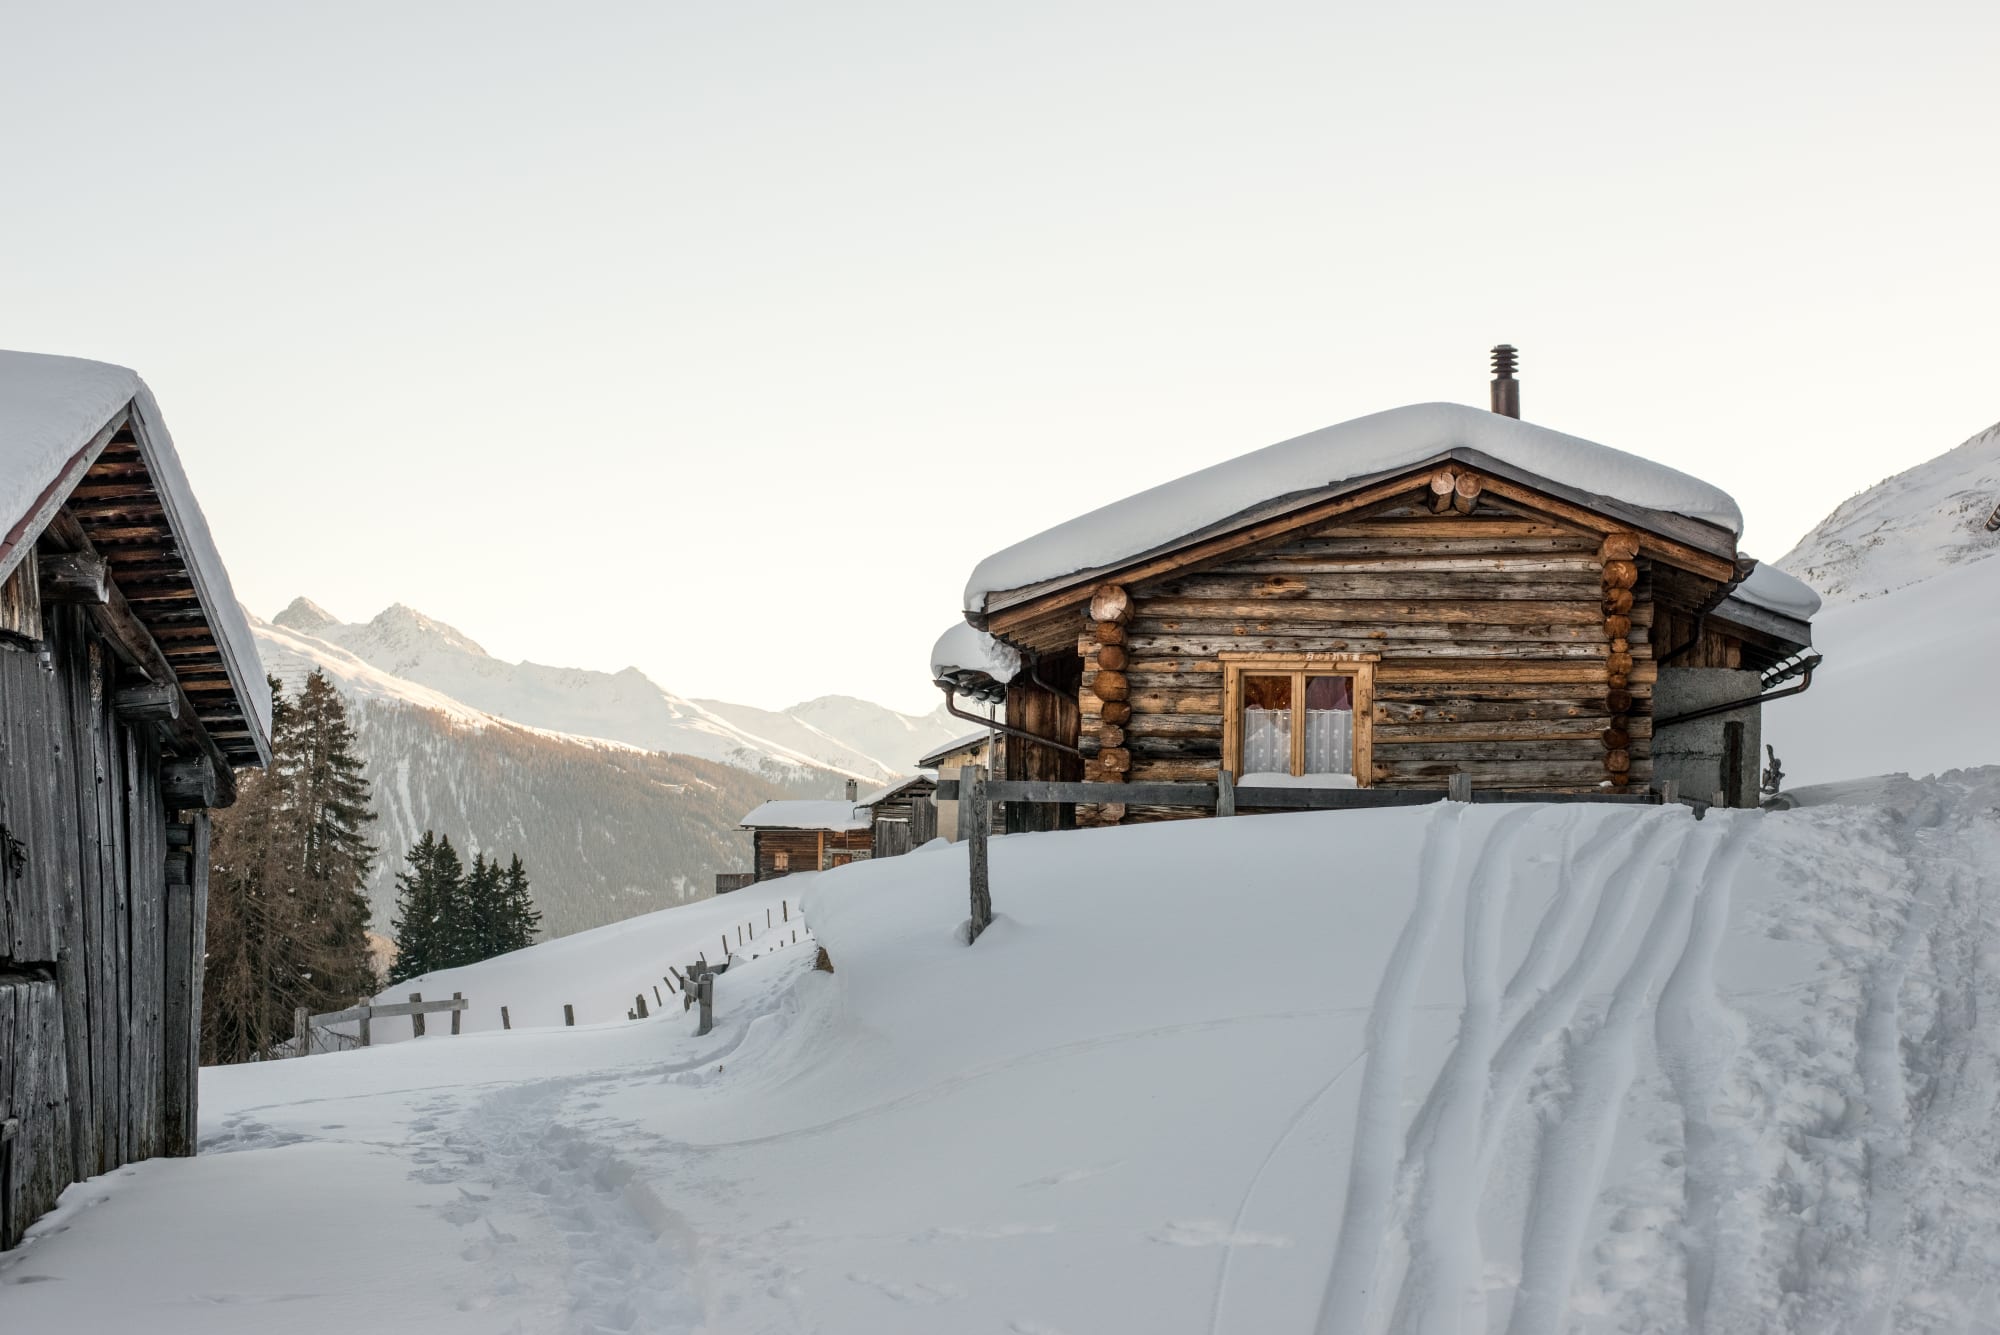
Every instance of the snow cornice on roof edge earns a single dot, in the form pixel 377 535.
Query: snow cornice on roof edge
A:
pixel 1266 482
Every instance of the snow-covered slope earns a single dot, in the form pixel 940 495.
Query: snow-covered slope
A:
pixel 1479 1069
pixel 608 830
pixel 618 706
pixel 1908 631
pixel 1908 528
pixel 856 736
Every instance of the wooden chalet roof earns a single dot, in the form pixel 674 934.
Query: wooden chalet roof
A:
pixel 1371 461
pixel 91 468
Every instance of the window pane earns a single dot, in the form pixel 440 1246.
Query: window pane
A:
pixel 1267 725
pixel 1329 725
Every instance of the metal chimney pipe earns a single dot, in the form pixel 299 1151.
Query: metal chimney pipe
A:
pixel 1506 389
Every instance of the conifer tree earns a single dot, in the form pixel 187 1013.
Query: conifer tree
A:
pixel 483 934
pixel 523 920
pixel 429 908
pixel 287 923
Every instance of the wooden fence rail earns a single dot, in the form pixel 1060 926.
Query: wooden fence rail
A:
pixel 366 1013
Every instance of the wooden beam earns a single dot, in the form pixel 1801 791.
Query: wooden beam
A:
pixel 190 783
pixel 154 702
pixel 75 579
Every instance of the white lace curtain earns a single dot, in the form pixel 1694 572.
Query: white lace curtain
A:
pixel 1267 741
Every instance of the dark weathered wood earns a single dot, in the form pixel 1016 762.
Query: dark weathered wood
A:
pixel 21 604
pixel 152 702
pixel 569 1014
pixel 457 1012
pixel 417 1008
pixel 416 1014
pixel 639 1005
pixel 191 783
pixel 1225 793
pixel 74 578
pixel 1459 787
pixel 506 1021
pixel 975 821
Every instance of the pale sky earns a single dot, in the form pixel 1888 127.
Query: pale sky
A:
pixel 724 339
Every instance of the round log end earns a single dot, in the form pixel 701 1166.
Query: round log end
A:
pixel 1115 711
pixel 1618 762
pixel 1617 602
pixel 1620 574
pixel 1616 739
pixel 1444 482
pixel 1110 658
pixel 1111 686
pixel 1110 734
pixel 1615 627
pixel 1109 632
pixel 1115 760
pixel 1619 700
pixel 1111 813
pixel 1110 603
pixel 1619 546
pixel 1618 665
pixel 1620 780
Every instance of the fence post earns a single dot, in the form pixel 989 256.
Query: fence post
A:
pixel 1458 788
pixel 505 1022
pixel 301 1032
pixel 456 996
pixel 972 824
pixel 367 1011
pixel 786 906
pixel 569 1014
pixel 639 1005
pixel 417 1020
pixel 707 1005
pixel 1225 793
pixel 1670 792
pixel 767 920
pixel 658 1000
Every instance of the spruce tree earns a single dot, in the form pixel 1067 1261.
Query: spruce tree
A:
pixel 333 810
pixel 427 896
pixel 483 933
pixel 523 920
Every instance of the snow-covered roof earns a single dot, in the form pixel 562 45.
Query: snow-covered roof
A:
pixel 1775 591
pixel 53 411
pixel 966 649
pixel 965 743
pixel 1381 443
pixel 887 791
pixel 798 814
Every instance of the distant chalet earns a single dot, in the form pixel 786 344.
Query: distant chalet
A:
pixel 1387 602
pixel 130 690
pixel 793 836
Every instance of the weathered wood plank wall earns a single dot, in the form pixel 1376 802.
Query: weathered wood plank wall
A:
pixel 1490 627
pixel 99 958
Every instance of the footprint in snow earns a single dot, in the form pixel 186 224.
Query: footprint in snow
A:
pixel 915 1292
pixel 1209 1233
pixel 1070 1175
pixel 983 1232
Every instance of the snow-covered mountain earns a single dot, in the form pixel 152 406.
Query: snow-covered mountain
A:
pixel 1907 529
pixel 621 796
pixel 1908 633
pixel 851 738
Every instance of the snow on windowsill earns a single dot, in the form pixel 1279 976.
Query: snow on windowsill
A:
pixel 1275 780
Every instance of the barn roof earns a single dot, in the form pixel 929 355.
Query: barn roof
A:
pixel 64 421
pixel 887 791
pixel 806 815
pixel 1245 487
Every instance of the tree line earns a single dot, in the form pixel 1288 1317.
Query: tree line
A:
pixel 287 919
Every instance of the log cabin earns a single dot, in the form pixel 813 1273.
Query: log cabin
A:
pixel 130 691
pixel 901 816
pixel 1427 591
pixel 797 835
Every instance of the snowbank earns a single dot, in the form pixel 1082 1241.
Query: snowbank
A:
pixel 1474 1068
pixel 1379 443
pixel 50 408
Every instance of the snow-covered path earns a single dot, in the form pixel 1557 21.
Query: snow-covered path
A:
pixel 1520 1069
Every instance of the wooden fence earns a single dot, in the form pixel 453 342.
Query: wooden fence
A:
pixel 315 1033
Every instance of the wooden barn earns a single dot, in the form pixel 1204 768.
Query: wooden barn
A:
pixel 949 760
pixel 130 690
pixel 1428 591
pixel 901 816
pixel 808 835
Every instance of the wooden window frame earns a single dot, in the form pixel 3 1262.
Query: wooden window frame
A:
pixel 1358 668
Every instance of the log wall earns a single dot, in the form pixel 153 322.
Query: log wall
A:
pixel 806 850
pixel 1492 628
pixel 100 944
